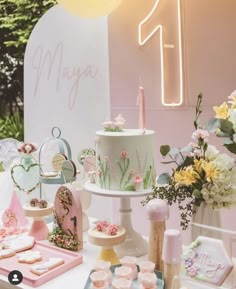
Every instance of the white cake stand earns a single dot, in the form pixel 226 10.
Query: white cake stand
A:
pixel 134 244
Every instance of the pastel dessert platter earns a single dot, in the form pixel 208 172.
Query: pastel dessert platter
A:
pixel 124 159
pixel 37 261
pixel 206 260
pixel 38 209
pixel 106 236
pixel 127 275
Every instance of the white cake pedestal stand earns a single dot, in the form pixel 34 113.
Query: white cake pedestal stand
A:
pixel 134 244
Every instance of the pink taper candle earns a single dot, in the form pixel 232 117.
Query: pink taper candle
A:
pixel 141 104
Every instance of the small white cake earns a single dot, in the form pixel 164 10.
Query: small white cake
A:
pixel 125 160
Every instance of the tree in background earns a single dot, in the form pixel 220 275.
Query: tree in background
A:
pixel 17 19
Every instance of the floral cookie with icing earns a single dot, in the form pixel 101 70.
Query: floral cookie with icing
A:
pixel 50 264
pixel 18 243
pixel 206 259
pixel 29 257
pixel 6 253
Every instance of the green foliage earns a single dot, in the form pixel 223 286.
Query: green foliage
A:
pixel 17 19
pixel 12 127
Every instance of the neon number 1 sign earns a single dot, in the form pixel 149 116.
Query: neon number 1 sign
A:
pixel 166 16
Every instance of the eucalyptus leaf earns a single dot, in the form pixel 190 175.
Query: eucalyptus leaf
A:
pixel 164 150
pixel 212 125
pixel 231 147
pixel 188 161
pixel 197 194
pixel 228 140
pixel 220 133
pixel 226 126
pixel 186 149
pixel 163 179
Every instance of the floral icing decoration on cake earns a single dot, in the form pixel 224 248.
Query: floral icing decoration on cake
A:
pixel 129 179
pixel 116 126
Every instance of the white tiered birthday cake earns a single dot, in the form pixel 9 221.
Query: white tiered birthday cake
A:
pixel 125 160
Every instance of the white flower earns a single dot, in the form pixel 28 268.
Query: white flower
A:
pixel 224 161
pixel 232 117
pixel 211 152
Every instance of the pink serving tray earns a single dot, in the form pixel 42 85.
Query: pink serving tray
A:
pixel 71 260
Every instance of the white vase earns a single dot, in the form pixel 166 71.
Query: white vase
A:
pixel 205 215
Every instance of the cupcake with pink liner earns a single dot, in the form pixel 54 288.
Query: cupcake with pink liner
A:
pixel 121 283
pixel 99 280
pixel 102 265
pixel 147 266
pixel 130 262
pixel 124 272
pixel 147 280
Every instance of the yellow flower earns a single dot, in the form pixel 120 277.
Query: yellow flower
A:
pixel 211 171
pixel 198 165
pixel 185 176
pixel 221 111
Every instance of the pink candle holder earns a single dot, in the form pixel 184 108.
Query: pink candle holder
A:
pixel 123 272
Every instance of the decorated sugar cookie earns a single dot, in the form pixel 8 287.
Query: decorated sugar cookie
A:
pixel 6 253
pixel 18 243
pixel 50 264
pixel 206 259
pixel 9 219
pixel 29 257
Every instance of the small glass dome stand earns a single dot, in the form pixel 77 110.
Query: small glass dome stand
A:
pixel 55 177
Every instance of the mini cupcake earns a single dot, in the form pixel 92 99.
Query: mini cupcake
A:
pixel 99 279
pixel 42 204
pixel 130 262
pixel 121 283
pixel 34 202
pixel 123 272
pixel 102 265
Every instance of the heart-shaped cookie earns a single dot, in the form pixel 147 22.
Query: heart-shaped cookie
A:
pixel 26 179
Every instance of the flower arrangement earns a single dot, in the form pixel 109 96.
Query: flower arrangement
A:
pixel 116 126
pixel 202 174
pixel 66 240
pixel 224 122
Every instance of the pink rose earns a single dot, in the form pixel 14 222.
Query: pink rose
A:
pixel 102 225
pixel 112 230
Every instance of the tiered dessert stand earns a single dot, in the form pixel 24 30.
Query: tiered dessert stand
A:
pixel 134 244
